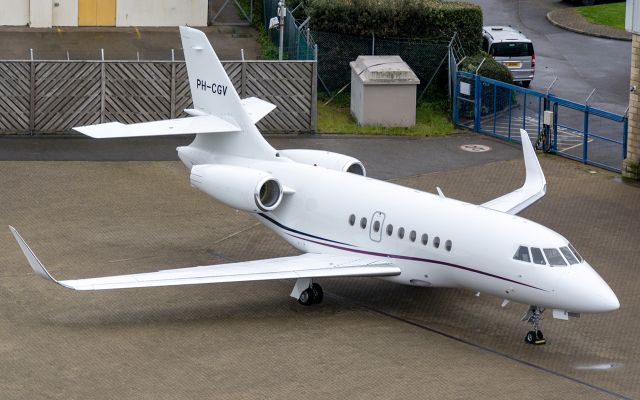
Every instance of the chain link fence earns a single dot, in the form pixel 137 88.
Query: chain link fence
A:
pixel 335 51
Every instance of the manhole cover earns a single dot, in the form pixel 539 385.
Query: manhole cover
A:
pixel 475 148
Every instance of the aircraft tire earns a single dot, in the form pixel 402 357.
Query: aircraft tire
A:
pixel 318 293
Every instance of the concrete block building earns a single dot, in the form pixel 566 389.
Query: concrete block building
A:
pixel 48 13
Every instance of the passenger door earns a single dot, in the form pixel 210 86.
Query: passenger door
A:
pixel 375 229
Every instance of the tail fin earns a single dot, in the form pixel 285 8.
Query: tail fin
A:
pixel 214 94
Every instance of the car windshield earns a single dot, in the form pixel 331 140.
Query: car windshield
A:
pixel 511 49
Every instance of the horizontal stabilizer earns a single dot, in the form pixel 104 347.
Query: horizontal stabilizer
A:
pixel 303 266
pixel 179 126
pixel 256 108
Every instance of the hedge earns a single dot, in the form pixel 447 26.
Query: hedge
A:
pixel 490 68
pixel 418 19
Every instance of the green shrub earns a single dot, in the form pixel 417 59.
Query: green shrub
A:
pixel 419 19
pixel 490 68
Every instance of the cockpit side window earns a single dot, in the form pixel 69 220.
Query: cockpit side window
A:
pixel 538 258
pixel 522 254
pixel 573 250
pixel 554 257
pixel 568 255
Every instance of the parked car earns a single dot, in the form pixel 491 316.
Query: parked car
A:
pixel 511 48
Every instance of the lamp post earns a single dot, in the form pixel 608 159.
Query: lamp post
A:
pixel 282 13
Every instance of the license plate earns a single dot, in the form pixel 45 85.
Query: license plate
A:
pixel 513 64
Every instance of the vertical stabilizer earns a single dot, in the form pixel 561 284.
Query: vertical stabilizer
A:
pixel 213 93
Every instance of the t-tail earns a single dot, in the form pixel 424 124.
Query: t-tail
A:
pixel 223 123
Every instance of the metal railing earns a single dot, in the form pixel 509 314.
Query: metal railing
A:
pixel 574 130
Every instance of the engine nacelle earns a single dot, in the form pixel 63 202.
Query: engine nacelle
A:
pixel 326 159
pixel 243 188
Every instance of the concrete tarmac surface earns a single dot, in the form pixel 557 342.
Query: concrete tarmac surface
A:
pixel 369 339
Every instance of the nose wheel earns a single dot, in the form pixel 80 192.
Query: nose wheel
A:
pixel 534 316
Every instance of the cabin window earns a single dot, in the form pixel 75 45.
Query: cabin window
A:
pixel 412 236
pixel 425 239
pixel 389 229
pixel 522 254
pixel 569 255
pixel 401 233
pixel 436 242
pixel 538 258
pixel 376 226
pixel 352 219
pixel 554 257
pixel 573 250
pixel 447 245
pixel 363 222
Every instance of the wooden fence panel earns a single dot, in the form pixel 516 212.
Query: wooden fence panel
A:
pixel 137 91
pixel 66 95
pixel 287 85
pixel 53 96
pixel 15 79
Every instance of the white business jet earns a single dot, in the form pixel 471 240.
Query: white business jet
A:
pixel 348 225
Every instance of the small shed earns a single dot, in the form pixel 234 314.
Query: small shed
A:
pixel 383 91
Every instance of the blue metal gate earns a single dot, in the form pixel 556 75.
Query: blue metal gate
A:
pixel 577 131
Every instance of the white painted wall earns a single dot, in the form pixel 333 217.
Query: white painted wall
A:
pixel 161 12
pixel 14 12
pixel 41 13
pixel 65 13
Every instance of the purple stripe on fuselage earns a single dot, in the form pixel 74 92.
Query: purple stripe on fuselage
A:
pixel 286 228
pixel 426 260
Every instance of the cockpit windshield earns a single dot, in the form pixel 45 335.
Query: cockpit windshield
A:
pixel 561 257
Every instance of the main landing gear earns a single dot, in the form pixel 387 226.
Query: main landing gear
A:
pixel 311 295
pixel 307 292
pixel 533 316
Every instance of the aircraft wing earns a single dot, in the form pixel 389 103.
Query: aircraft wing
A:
pixel 303 266
pixel 178 126
pixel 256 108
pixel 535 184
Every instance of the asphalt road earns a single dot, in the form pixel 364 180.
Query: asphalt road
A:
pixel 580 62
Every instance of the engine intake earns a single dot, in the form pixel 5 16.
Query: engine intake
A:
pixel 243 188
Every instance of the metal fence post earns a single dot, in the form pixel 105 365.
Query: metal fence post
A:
pixel 455 100
pixel 32 94
pixel 585 139
pixel 314 97
pixel 477 109
pixel 625 132
pixel 172 100
pixel 243 79
pixel 102 86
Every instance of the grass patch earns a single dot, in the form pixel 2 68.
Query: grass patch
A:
pixel 268 50
pixel 431 120
pixel 605 14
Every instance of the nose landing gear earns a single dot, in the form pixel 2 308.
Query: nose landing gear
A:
pixel 533 316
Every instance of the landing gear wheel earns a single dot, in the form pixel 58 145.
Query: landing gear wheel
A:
pixel 307 297
pixel 533 316
pixel 318 293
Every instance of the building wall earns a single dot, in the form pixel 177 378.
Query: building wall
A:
pixel 14 12
pixel 161 12
pixel 631 166
pixel 41 13
pixel 65 13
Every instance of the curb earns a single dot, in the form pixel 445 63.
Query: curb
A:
pixel 550 18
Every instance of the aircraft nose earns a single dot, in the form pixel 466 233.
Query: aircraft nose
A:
pixel 604 299
pixel 608 300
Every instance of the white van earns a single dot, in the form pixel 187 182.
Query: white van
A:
pixel 511 48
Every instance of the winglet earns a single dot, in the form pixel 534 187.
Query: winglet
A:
pixel 535 184
pixel 36 265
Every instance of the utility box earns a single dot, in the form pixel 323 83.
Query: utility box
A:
pixel 383 91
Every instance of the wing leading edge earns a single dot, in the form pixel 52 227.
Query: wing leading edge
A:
pixel 303 266
pixel 535 184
